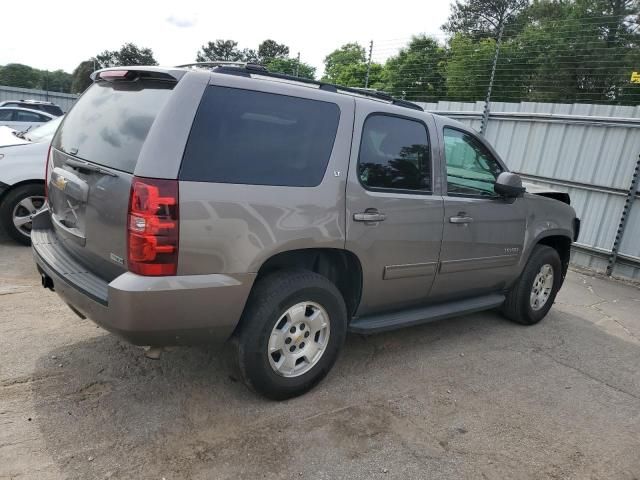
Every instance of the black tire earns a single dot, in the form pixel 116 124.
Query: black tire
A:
pixel 10 200
pixel 270 298
pixel 517 306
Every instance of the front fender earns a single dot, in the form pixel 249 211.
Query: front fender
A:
pixel 546 217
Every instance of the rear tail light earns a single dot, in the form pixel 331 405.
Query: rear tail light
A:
pixel 47 173
pixel 153 227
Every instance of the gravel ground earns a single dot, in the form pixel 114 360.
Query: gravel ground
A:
pixel 471 397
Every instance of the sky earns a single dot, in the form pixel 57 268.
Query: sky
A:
pixel 53 35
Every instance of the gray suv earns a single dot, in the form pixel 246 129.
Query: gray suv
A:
pixel 232 204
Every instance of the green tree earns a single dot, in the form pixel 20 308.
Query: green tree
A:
pixel 56 81
pixel 270 49
pixel 341 64
pixel 19 75
pixel 551 51
pixel 482 18
pixel 221 50
pixel 417 72
pixel 81 76
pixel 129 54
pixel 289 66
pixel 468 67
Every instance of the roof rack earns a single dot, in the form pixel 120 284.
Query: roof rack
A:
pixel 222 63
pixel 246 69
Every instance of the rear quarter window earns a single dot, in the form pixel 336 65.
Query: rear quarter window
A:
pixel 256 138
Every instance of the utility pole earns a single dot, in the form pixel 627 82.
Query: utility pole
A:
pixel 298 65
pixel 487 102
pixel 366 78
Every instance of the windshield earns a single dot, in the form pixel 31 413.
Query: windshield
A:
pixel 44 133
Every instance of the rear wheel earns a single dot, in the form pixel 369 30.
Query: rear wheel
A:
pixel 18 208
pixel 533 294
pixel 291 332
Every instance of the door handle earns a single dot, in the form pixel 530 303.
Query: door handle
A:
pixel 460 219
pixel 369 216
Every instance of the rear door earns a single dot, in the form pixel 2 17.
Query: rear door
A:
pixel 91 166
pixel 394 219
pixel 483 233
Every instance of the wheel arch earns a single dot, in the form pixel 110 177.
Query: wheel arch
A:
pixel 13 186
pixel 560 243
pixel 341 267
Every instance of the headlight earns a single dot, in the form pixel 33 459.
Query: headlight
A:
pixel 1 156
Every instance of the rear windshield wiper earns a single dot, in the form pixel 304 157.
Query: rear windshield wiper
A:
pixel 82 165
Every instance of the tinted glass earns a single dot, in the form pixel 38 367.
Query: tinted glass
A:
pixel 471 169
pixel 22 116
pixel 394 154
pixel 52 109
pixel 6 115
pixel 248 137
pixel 110 122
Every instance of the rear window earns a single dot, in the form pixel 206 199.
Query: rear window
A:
pixel 110 122
pixel 257 138
pixel 52 109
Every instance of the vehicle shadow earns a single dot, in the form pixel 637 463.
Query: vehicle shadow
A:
pixel 109 411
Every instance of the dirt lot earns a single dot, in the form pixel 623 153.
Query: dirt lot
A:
pixel 473 397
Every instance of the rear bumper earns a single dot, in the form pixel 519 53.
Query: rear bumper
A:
pixel 155 311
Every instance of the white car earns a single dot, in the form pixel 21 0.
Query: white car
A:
pixel 23 157
pixel 22 119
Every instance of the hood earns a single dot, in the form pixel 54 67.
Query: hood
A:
pixel 539 190
pixel 8 138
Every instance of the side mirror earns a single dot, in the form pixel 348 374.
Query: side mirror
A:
pixel 509 185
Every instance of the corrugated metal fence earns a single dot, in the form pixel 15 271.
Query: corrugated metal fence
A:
pixel 65 100
pixel 590 151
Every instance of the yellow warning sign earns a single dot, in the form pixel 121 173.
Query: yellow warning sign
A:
pixel 635 77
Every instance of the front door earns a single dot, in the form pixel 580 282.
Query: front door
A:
pixel 394 222
pixel 483 233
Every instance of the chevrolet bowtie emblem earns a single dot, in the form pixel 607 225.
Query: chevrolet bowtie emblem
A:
pixel 60 182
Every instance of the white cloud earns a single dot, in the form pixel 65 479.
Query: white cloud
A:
pixel 181 22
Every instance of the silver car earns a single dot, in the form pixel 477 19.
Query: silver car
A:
pixel 233 204
pixel 23 157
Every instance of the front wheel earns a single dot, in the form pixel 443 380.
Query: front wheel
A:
pixel 534 292
pixel 290 334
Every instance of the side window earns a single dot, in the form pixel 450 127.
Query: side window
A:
pixel 394 154
pixel 22 116
pixel 471 169
pixel 256 138
pixel 5 115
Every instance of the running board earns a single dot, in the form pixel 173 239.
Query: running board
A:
pixel 383 322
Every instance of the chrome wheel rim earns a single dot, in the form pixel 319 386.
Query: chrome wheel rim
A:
pixel 542 286
pixel 24 211
pixel 299 339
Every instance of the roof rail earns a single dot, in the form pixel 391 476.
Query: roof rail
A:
pixel 221 63
pixel 247 69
